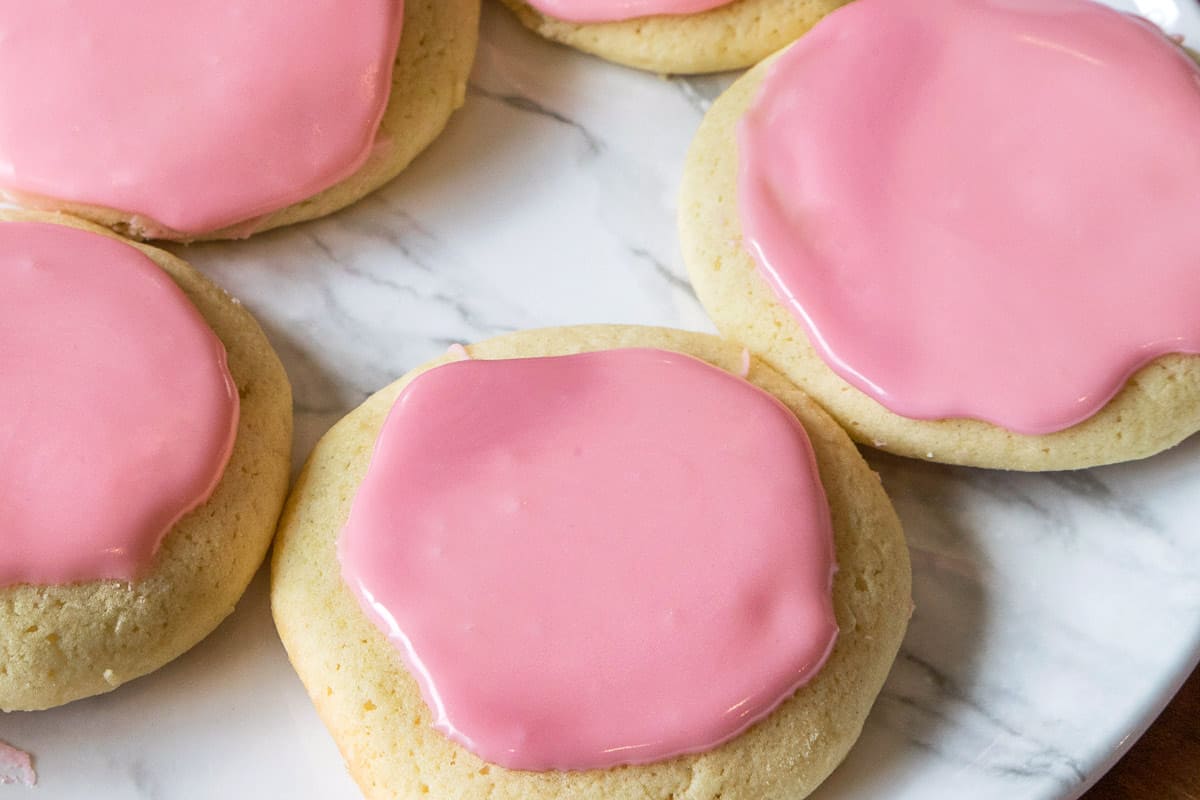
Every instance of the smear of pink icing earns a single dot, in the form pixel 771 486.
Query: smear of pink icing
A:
pixel 117 411
pixel 616 10
pixel 980 208
pixel 593 560
pixel 16 766
pixel 196 116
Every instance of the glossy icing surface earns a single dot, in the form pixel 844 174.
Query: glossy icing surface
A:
pixel 991 701
pixel 117 411
pixel 980 208
pixel 617 10
pixel 197 116
pixel 597 559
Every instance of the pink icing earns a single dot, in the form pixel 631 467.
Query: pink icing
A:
pixel 980 208
pixel 117 412
pixel 197 116
pixel 616 10
pixel 16 766
pixel 593 560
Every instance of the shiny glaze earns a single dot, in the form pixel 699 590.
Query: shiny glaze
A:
pixel 117 411
pixel 980 208
pixel 592 560
pixel 617 10
pixel 194 116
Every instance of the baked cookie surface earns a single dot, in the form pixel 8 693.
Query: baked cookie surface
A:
pixel 374 708
pixel 732 36
pixel 428 83
pixel 59 643
pixel 1158 407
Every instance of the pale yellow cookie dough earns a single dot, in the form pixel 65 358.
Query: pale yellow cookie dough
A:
pixel 374 709
pixel 728 37
pixel 437 48
pixel 1157 409
pixel 62 643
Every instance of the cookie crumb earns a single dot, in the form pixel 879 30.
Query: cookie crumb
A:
pixel 16 766
pixel 745 368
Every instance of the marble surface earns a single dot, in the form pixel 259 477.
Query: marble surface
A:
pixel 1056 614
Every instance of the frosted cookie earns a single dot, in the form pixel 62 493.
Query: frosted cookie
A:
pixel 637 549
pixel 966 228
pixel 145 434
pixel 185 121
pixel 674 36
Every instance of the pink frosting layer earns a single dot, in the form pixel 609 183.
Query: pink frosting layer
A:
pixel 117 412
pixel 593 560
pixel 981 208
pixel 195 115
pixel 616 10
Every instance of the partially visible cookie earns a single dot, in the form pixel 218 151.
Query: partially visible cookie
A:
pixel 374 707
pixel 1159 404
pixel 427 83
pixel 731 36
pixel 66 640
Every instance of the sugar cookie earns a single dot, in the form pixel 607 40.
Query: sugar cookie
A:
pixel 179 121
pixel 724 36
pixel 373 705
pixel 984 263
pixel 146 438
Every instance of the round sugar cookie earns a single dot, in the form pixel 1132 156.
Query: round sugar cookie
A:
pixel 428 83
pixel 1158 406
pixel 374 708
pixel 67 641
pixel 731 36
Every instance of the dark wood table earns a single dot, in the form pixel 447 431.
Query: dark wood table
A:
pixel 1165 764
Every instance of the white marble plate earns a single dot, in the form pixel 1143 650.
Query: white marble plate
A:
pixel 1056 614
